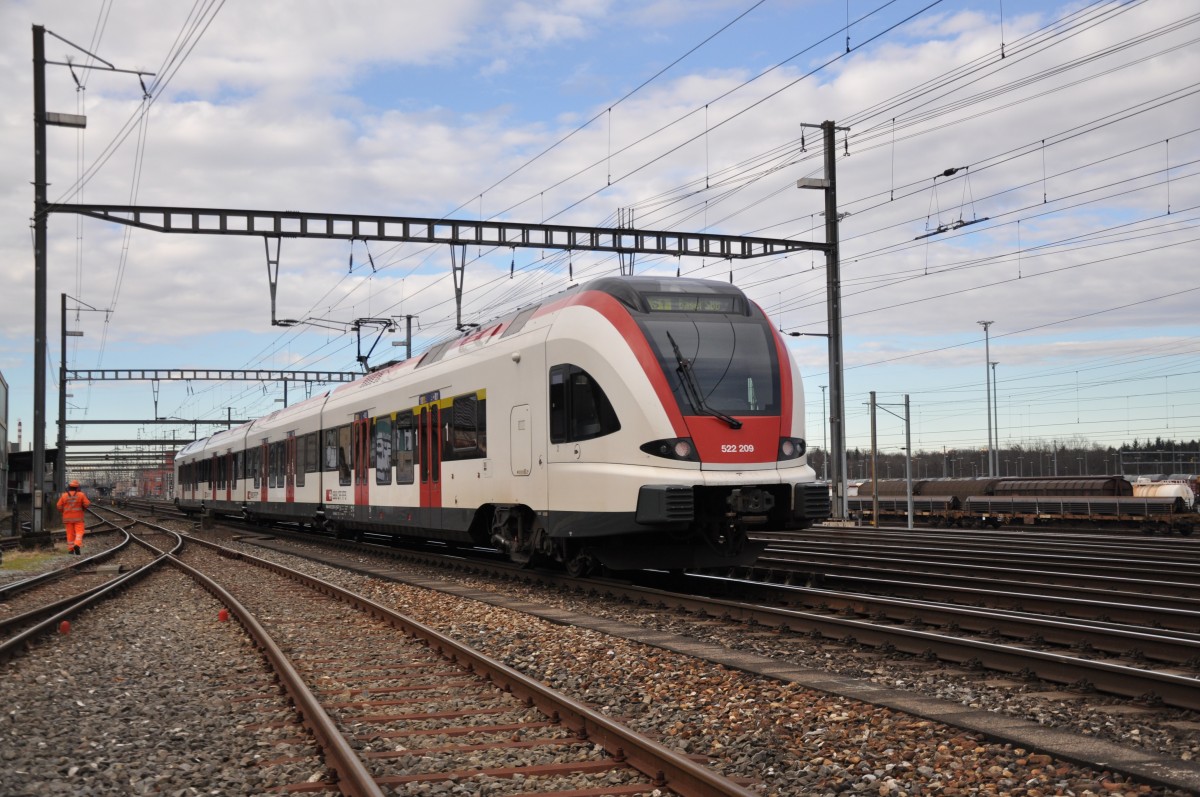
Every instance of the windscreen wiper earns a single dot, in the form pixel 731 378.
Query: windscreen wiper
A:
pixel 691 388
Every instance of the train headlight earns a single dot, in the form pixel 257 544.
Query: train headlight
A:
pixel 680 448
pixel 791 447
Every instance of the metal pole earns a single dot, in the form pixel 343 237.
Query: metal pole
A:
pixel 837 396
pixel 987 374
pixel 874 470
pixel 824 437
pixel 39 276
pixel 60 466
pixel 996 416
pixel 908 459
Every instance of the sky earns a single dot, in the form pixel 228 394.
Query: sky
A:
pixel 1071 224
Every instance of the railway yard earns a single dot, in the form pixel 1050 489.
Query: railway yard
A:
pixel 602 428
pixel 864 661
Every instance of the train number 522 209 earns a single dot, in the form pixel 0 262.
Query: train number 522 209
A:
pixel 733 448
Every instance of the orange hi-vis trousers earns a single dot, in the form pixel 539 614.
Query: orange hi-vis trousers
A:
pixel 74 532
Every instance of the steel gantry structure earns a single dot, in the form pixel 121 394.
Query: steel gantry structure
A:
pixel 274 225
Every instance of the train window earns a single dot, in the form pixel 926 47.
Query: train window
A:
pixel 273 465
pixel 733 361
pixel 238 464
pixel 330 449
pixel 579 408
pixel 465 428
pixel 252 464
pixel 382 432
pixel 312 456
pixel 343 455
pixel 558 404
pixel 404 448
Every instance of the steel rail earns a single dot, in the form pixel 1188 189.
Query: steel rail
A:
pixel 17 587
pixel 1116 679
pixel 1139 546
pixel 764 571
pixel 1109 637
pixel 1030 560
pixel 817 563
pixel 1175 690
pixel 1104 608
pixel 17 643
pixel 662 765
pixel 354 778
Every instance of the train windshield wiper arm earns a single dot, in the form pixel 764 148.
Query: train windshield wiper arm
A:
pixel 691 388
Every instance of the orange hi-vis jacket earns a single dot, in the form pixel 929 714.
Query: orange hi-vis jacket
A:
pixel 72 504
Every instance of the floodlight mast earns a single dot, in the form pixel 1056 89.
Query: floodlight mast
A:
pixel 833 308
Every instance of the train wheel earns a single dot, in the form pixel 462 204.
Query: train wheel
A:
pixel 580 565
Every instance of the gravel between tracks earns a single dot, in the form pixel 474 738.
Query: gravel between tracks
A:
pixel 790 739
pixel 148 694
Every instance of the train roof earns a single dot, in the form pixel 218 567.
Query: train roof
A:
pixel 642 294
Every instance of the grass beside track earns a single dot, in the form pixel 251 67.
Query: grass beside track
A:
pixel 27 560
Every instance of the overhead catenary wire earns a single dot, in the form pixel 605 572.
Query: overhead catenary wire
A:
pixel 514 292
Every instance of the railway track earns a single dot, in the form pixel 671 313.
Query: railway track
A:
pixel 723 619
pixel 1132 661
pixel 113 556
pixel 392 703
pixel 1115 571
pixel 1152 655
pixel 734 636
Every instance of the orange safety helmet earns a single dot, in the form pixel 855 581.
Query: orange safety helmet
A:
pixel 74 483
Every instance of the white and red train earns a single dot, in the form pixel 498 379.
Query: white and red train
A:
pixel 632 422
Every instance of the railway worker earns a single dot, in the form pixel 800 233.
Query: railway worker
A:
pixel 71 504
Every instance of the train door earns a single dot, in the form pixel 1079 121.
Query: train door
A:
pixel 360 452
pixel 430 455
pixel 229 475
pixel 520 435
pixel 290 469
pixel 264 455
pixel 212 476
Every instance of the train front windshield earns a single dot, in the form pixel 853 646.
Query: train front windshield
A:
pixel 731 356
